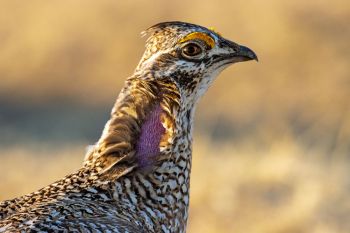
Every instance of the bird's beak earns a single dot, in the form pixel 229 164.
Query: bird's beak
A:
pixel 245 54
pixel 236 53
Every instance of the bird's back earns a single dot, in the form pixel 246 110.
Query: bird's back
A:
pixel 74 203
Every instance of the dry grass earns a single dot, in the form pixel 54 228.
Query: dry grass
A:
pixel 275 157
pixel 284 188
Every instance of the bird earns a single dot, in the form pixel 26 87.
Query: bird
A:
pixel 136 177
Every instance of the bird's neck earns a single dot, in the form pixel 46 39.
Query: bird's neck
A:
pixel 161 196
pixel 156 192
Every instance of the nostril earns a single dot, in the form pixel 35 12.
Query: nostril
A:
pixel 230 44
pixel 236 49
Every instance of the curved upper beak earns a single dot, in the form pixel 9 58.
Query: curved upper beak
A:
pixel 246 53
pixel 236 52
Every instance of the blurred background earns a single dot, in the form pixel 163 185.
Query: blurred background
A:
pixel 272 139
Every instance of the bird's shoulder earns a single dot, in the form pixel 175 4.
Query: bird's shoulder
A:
pixel 66 223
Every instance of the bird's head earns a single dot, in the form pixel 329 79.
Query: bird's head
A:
pixel 189 55
pixel 152 119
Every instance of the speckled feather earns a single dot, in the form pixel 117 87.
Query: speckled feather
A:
pixel 136 177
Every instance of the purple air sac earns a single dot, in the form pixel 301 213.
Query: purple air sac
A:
pixel 147 147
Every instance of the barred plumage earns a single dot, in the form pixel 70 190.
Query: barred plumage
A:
pixel 136 178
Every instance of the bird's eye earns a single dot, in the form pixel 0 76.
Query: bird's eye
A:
pixel 191 50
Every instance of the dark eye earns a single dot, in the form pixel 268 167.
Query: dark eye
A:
pixel 191 50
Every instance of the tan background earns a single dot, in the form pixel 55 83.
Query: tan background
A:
pixel 271 150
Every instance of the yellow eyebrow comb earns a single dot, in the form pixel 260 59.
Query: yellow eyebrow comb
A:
pixel 201 36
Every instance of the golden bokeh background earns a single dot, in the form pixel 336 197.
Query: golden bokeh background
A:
pixel 272 139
